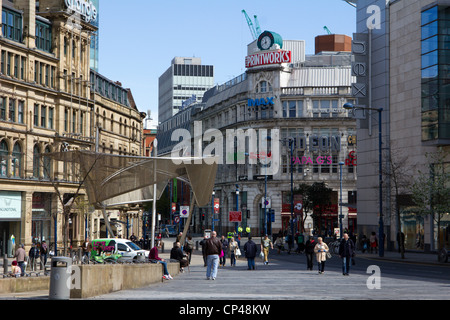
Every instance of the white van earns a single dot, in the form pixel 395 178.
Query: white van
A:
pixel 129 250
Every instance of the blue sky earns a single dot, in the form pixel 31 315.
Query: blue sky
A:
pixel 139 38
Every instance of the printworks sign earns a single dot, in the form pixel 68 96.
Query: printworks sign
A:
pixel 267 58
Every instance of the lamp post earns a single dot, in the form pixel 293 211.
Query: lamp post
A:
pixel 350 106
pixel 291 147
pixel 237 207
pixel 340 201
pixel 212 208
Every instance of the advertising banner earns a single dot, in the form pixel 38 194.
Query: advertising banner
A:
pixel 10 205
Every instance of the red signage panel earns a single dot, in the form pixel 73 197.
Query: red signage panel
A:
pixel 235 216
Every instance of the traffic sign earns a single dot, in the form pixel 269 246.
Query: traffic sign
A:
pixel 177 219
pixel 235 216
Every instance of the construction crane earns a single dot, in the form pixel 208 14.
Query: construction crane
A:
pixel 327 30
pixel 254 31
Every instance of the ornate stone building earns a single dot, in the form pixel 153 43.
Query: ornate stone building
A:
pixel 50 100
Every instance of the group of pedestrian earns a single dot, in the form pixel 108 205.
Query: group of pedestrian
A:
pixel 321 251
pixel 37 251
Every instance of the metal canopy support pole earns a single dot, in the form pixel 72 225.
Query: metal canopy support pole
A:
pixel 155 144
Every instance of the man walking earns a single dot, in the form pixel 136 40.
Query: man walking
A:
pixel 346 252
pixel 213 247
pixel 250 250
pixel 20 257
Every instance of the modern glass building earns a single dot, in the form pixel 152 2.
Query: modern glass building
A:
pixel 435 48
pixel 95 38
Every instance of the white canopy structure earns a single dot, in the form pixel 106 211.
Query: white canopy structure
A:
pixel 115 180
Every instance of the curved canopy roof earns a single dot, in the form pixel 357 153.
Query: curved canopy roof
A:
pixel 112 180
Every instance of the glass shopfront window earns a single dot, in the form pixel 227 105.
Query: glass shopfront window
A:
pixel 413 228
pixel 41 228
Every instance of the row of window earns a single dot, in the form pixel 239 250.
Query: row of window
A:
pixel 323 108
pixel 14 65
pixel 12 110
pixel 12 161
pixel 12 28
pixel 435 49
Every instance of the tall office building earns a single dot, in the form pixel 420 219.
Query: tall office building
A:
pixel 183 83
pixel 404 45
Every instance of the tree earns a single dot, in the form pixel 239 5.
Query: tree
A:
pixel 431 190
pixel 314 195
pixel 398 182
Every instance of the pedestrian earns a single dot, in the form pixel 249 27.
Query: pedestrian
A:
pixel 189 247
pixel 321 250
pixel 87 248
pixel 33 254
pixel 203 244
pixel 250 250
pixel 225 251
pixel 212 251
pixel 373 242
pixel 279 244
pixel 266 243
pixel 346 252
pixel 20 257
pixel 401 242
pixel 233 248
pixel 15 269
pixel 309 251
pixel 177 254
pixel 44 253
pixel 153 256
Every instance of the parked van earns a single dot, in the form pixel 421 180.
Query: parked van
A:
pixel 127 249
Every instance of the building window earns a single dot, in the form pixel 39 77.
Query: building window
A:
pixel 16 160
pixel 435 74
pixel 36 115
pixel 263 87
pixel 50 117
pixel 4 153
pixel 2 108
pixel 36 161
pixel 12 25
pixel 12 110
pixel 43 36
pixel 47 164
pixel 20 109
pixel 43 116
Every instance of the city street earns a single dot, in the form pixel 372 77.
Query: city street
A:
pixel 286 278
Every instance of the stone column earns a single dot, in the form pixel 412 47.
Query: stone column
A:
pixel 27 217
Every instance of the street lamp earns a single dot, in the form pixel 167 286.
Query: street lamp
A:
pixel 340 201
pixel 212 208
pixel 350 106
pixel 237 207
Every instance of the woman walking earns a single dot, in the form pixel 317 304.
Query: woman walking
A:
pixel 321 250
pixel 233 245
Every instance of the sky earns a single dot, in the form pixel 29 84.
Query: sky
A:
pixel 139 38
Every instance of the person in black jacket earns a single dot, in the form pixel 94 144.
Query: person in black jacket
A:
pixel 346 252
pixel 177 254
pixel 309 252
pixel 250 250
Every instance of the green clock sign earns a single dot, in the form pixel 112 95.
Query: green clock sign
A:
pixel 267 39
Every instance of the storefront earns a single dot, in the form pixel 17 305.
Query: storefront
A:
pixel 10 221
pixel 41 228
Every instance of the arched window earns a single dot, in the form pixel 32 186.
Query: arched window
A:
pixel 263 87
pixel 47 162
pixel 16 160
pixel 36 161
pixel 4 154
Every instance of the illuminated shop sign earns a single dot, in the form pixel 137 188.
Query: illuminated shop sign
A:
pixel 267 58
pixel 10 205
pixel 85 8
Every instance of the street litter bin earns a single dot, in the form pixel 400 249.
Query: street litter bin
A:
pixel 60 278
